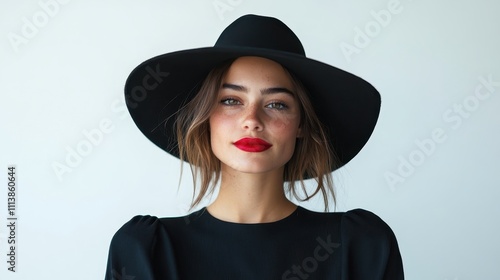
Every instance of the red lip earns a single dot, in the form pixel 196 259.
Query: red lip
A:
pixel 252 145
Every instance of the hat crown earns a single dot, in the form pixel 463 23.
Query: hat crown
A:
pixel 252 31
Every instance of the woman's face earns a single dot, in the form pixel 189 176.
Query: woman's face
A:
pixel 256 122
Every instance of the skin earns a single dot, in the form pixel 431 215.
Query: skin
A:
pixel 256 100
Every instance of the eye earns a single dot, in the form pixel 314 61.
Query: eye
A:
pixel 230 101
pixel 277 105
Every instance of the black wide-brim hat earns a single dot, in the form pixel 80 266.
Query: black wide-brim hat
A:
pixel 156 89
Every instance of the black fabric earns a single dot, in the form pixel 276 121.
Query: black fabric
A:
pixel 355 245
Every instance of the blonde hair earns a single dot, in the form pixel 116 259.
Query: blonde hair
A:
pixel 313 157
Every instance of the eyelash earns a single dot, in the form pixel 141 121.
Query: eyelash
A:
pixel 226 101
pixel 282 106
pixel 231 102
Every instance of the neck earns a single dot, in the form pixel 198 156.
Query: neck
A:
pixel 251 198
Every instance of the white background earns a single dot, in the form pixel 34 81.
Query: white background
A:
pixel 64 75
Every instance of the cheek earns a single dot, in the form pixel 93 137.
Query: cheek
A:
pixel 286 126
pixel 220 125
pixel 216 121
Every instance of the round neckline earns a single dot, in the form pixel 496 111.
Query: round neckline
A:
pixel 204 211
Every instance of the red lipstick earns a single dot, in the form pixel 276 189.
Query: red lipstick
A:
pixel 254 145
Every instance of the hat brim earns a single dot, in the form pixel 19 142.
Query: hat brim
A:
pixel 345 103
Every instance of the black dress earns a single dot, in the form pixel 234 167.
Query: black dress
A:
pixel 355 245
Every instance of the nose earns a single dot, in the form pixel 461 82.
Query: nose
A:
pixel 253 119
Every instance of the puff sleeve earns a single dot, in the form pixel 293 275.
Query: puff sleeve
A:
pixel 136 250
pixel 370 248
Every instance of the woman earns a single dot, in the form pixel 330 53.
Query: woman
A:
pixel 254 114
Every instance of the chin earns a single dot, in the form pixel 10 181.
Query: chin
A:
pixel 256 168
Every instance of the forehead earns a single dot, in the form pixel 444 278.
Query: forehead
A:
pixel 250 70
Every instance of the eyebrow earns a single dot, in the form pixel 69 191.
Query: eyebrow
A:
pixel 263 91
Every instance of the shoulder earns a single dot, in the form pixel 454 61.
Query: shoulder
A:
pixel 138 246
pixel 360 223
pixel 139 222
pixel 365 231
pixel 139 232
pixel 144 230
pixel 357 224
pixel 371 250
